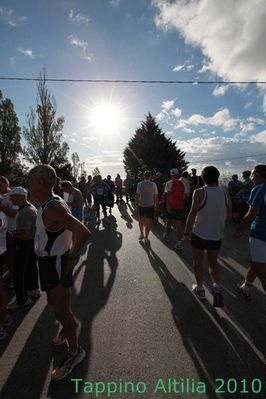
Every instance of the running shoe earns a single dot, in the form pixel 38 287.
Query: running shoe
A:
pixel 244 291
pixel 16 305
pixel 179 246
pixel 146 241
pixel 198 291
pixel 141 237
pixel 59 339
pixel 218 301
pixel 67 364
pixel 3 333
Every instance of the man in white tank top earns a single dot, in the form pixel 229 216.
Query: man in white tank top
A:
pixel 210 207
pixel 59 239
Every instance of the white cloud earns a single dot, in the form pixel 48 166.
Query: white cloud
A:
pixel 236 29
pixel 189 67
pixel 78 18
pixel 82 44
pixel 259 137
pixel 219 151
pixel 167 104
pixel 248 105
pixel 188 130
pixel 26 52
pixel 176 112
pixel 114 159
pixel 178 68
pixel 8 15
pixel 115 3
pixel 220 118
pixel 220 90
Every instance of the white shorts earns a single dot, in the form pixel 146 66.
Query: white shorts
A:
pixel 257 250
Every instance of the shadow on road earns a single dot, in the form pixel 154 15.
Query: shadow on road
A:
pixel 33 363
pixel 216 345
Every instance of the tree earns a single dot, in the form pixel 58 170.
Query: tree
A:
pixel 61 163
pixel 75 160
pixel 150 149
pixel 10 164
pixel 96 171
pixel 44 131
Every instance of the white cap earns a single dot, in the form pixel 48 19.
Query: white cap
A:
pixel 174 172
pixel 18 191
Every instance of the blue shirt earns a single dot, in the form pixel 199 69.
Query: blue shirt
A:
pixel 258 200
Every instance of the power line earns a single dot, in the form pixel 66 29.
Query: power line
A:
pixel 134 81
pixel 229 159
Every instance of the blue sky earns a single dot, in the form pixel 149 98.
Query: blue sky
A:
pixel 207 40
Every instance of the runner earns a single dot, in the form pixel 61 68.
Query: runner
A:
pixel 25 272
pixel 146 200
pixel 175 195
pixel 256 216
pixel 10 210
pixel 205 224
pixel 119 189
pixel 59 239
pixel 75 200
pixel 5 319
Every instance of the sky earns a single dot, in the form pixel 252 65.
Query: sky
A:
pixel 162 40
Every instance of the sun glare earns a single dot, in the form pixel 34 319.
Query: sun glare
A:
pixel 106 118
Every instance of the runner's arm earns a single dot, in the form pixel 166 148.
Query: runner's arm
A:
pixel 196 200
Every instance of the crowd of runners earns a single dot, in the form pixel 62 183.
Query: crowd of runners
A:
pixel 43 230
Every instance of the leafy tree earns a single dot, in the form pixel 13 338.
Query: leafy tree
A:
pixel 10 164
pixel 96 171
pixel 61 163
pixel 44 131
pixel 150 149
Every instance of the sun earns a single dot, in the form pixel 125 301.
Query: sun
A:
pixel 106 117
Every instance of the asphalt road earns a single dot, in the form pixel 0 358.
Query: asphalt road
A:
pixel 145 333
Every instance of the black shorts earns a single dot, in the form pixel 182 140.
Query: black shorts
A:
pixel 176 214
pixel 2 262
pixel 200 243
pixel 146 211
pixel 52 271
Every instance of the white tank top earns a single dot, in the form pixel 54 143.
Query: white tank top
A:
pixel 210 218
pixel 47 242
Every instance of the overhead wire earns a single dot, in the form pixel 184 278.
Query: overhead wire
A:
pixel 194 82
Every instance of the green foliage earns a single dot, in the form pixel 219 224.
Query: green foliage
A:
pixel 9 138
pixel 44 131
pixel 61 164
pixel 150 149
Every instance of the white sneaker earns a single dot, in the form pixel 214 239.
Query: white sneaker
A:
pixel 198 291
pixel 35 293
pixel 244 290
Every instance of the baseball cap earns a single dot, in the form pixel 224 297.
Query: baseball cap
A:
pixel 174 172
pixel 18 191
